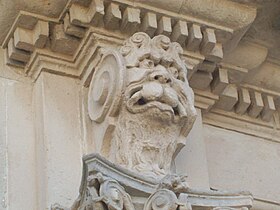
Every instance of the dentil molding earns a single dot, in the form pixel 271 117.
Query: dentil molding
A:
pixel 72 46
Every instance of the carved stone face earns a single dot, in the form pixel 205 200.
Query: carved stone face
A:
pixel 146 92
pixel 157 79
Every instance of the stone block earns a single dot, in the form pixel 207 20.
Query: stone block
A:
pixel 16 54
pixel 228 98
pixel 195 37
pixel 164 26
pixel 201 80
pixel 256 104
pixel 62 42
pixel 216 55
pixel 209 41
pixel 112 16
pixel 84 16
pixel 243 102
pixel 149 23
pixel 220 81
pixel 180 32
pixel 28 40
pixel 23 39
pixel 41 34
pixel 207 66
pixel 73 30
pixel 131 20
pixel 269 108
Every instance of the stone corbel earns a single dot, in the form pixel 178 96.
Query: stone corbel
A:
pixel 137 96
pixel 108 186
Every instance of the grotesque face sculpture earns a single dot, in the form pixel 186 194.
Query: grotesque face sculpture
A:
pixel 157 79
pixel 155 105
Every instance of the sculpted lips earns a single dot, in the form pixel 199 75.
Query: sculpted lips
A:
pixel 154 94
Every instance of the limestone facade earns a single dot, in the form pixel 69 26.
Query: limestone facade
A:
pixel 109 80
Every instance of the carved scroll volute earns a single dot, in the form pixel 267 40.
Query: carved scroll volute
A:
pixel 104 97
pixel 114 196
pixel 106 86
pixel 162 200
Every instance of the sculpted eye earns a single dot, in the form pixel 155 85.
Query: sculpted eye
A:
pixel 147 64
pixel 174 72
pixel 181 77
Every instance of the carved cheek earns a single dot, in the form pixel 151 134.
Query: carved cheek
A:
pixel 182 89
pixel 136 74
pixel 170 97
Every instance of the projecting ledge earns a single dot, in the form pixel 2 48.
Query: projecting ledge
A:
pixel 106 185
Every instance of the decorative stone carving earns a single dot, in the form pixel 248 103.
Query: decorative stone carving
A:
pixel 142 109
pixel 105 186
pixel 146 92
pixel 101 193
pixel 162 200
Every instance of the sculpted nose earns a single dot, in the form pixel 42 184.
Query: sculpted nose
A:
pixel 161 76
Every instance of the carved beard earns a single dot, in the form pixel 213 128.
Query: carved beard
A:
pixel 145 145
pixel 153 95
pixel 150 123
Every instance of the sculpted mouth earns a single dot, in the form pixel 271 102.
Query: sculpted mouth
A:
pixel 153 95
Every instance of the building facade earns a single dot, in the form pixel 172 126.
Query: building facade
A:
pixel 172 104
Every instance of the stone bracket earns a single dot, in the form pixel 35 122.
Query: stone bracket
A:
pixel 108 186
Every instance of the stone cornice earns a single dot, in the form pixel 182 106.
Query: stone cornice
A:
pixel 71 45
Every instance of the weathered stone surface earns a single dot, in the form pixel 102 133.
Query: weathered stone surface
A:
pixel 228 98
pixel 201 80
pixel 73 30
pixel 164 26
pixel 256 104
pixel 244 63
pixel 269 108
pixel 105 185
pixel 209 40
pixel 220 81
pixel 180 32
pixel 16 54
pixel 195 37
pixel 233 148
pixel 63 43
pixel 87 15
pixel 149 23
pixel 113 16
pixel 131 20
pixel 243 102
pixel 145 85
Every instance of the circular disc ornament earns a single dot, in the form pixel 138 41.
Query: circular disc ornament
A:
pixel 105 90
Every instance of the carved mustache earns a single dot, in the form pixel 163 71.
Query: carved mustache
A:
pixel 144 96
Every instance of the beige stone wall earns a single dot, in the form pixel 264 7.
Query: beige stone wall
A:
pixel 192 159
pixel 42 145
pixel 237 161
pixel 58 139
pixel 44 124
pixel 17 145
